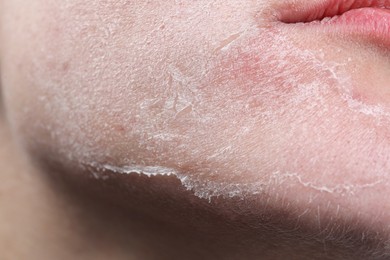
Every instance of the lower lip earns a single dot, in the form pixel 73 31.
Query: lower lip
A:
pixel 372 24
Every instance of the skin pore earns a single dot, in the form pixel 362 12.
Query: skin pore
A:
pixel 190 130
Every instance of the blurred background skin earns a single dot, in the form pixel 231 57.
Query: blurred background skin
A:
pixel 280 132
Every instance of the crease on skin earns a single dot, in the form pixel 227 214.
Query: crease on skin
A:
pixel 369 110
pixel 338 73
pixel 343 189
pixel 228 42
pixel 357 105
pixel 206 189
pixel 345 88
pixel 177 75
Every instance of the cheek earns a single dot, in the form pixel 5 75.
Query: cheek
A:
pixel 291 116
pixel 103 85
pixel 91 96
pixel 268 66
pixel 253 105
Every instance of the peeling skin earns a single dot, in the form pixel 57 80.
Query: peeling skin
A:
pixel 210 189
pixel 226 44
pixel 200 188
pixel 141 170
pixel 231 109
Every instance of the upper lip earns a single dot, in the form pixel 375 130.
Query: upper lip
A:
pixel 316 10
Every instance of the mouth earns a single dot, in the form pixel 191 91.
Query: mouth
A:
pixel 368 19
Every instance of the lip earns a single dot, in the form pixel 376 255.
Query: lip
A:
pixel 366 19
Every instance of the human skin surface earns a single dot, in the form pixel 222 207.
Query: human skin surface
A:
pixel 189 130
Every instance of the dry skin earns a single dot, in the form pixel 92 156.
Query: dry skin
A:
pixel 231 109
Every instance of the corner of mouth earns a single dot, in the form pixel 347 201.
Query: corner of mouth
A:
pixel 299 11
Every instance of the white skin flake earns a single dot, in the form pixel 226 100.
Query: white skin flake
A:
pixel 211 189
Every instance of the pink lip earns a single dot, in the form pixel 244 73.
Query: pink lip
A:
pixel 364 18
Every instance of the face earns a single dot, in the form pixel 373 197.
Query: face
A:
pixel 244 108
